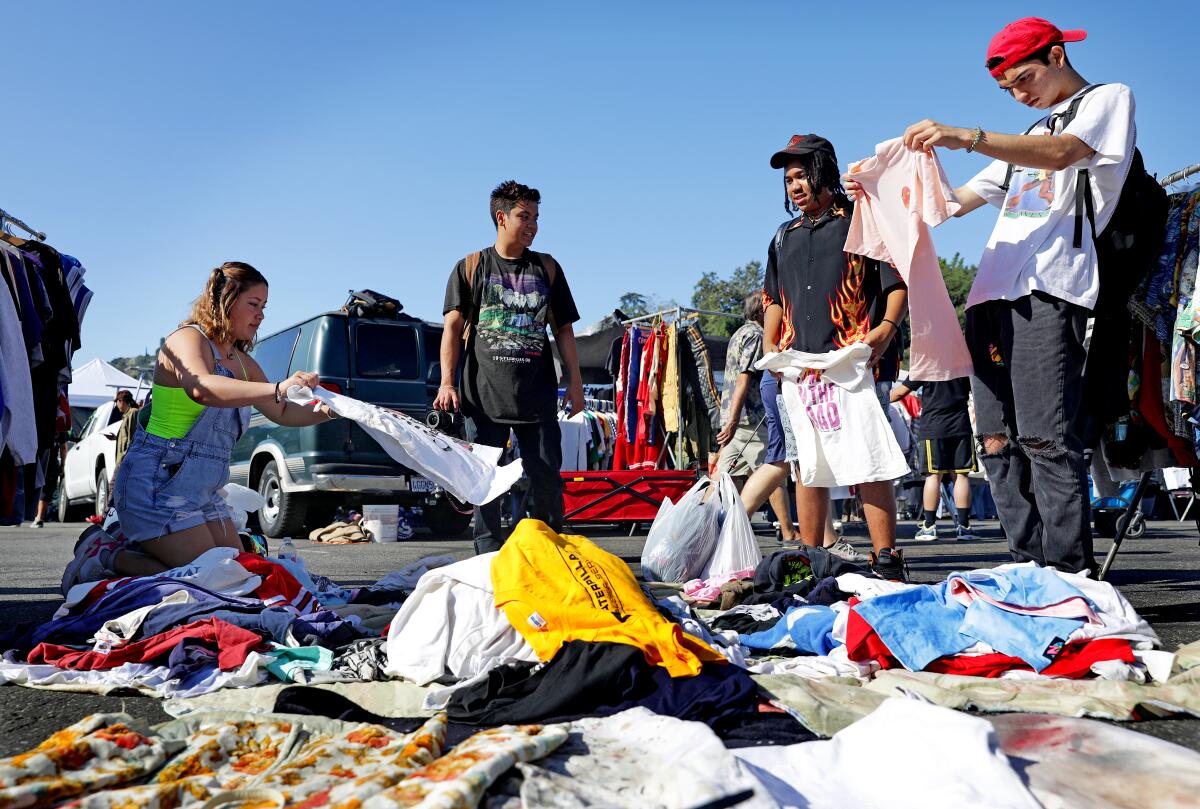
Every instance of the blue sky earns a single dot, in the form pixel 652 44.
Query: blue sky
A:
pixel 351 145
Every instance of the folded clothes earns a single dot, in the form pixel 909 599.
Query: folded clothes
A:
pixel 341 533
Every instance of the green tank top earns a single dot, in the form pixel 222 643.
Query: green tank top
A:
pixel 172 412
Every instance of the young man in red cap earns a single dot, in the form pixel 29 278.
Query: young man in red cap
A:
pixel 818 298
pixel 1037 281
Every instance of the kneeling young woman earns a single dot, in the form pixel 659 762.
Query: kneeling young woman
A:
pixel 165 491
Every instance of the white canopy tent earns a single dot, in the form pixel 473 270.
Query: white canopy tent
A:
pixel 96 382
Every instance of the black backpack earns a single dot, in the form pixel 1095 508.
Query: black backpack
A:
pixel 369 303
pixel 1130 242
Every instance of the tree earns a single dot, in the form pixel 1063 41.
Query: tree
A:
pixel 958 276
pixel 633 304
pixel 717 294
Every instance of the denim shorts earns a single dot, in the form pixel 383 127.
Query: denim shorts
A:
pixel 777 444
pixel 166 485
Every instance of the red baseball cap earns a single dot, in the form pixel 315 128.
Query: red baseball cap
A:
pixel 1023 37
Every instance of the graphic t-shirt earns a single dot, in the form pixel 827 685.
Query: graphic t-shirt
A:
pixel 1032 246
pixel 508 369
pixel 944 408
pixel 830 298
pixel 745 349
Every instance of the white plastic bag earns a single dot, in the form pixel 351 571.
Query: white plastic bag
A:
pixel 683 535
pixel 737 547
pixel 240 501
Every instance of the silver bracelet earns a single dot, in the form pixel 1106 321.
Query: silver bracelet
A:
pixel 979 136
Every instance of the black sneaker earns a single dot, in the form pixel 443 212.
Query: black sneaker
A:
pixel 889 564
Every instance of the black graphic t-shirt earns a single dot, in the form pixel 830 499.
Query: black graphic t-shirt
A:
pixel 508 369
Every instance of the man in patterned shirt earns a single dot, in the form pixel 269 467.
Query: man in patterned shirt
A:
pixel 743 436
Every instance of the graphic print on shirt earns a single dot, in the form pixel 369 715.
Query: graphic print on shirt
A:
pixel 848 306
pixel 512 316
pixel 595 583
pixel 819 399
pixel 1031 194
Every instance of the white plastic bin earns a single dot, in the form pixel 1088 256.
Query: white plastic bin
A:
pixel 382 522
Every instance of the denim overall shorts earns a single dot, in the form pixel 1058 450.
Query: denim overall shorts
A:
pixel 166 485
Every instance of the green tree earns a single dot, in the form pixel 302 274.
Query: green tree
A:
pixel 633 304
pixel 717 294
pixel 958 276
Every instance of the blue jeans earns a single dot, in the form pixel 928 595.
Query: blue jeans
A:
pixel 1028 387
pixel 541 457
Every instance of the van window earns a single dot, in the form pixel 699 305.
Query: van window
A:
pixel 274 354
pixel 386 350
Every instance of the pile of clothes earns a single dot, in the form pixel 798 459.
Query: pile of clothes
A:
pixel 547 674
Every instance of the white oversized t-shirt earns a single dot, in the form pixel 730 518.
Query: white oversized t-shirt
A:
pixel 1032 246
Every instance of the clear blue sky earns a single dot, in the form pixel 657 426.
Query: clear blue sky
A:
pixel 337 145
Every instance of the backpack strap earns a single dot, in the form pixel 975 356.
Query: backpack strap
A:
pixel 1064 118
pixel 779 234
pixel 470 265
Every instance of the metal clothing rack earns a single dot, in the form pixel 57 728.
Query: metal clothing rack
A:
pixel 679 313
pixel 7 219
pixel 1135 502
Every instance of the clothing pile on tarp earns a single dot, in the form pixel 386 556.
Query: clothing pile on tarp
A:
pixel 547 668
pixel 42 303
pixel 659 372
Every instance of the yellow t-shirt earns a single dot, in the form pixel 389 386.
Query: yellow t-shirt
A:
pixel 559 587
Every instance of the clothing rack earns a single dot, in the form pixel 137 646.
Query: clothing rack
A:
pixel 1182 174
pixel 1135 502
pixel 7 219
pixel 679 313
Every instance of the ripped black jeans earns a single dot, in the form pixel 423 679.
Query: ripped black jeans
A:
pixel 1028 387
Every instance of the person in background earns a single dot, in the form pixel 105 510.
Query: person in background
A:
pixel 498 304
pixel 205 382
pixel 743 436
pixel 948 449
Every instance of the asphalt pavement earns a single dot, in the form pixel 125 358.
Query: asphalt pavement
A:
pixel 1159 573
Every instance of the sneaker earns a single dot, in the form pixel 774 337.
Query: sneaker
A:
pixel 37 524
pixel 93 560
pixel 965 535
pixel 926 533
pixel 889 564
pixel 844 550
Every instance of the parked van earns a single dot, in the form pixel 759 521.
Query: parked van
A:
pixel 304 473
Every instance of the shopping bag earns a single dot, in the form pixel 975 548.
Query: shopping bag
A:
pixel 737 547
pixel 683 535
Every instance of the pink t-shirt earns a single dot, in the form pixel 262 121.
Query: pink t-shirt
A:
pixel 906 193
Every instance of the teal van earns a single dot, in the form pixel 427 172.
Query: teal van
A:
pixel 305 473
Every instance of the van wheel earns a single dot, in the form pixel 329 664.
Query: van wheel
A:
pixel 445 520
pixel 101 504
pixel 283 514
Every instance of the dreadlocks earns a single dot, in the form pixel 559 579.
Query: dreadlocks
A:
pixel 822 171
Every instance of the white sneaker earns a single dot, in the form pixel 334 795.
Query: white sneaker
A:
pixel 844 550
pixel 926 533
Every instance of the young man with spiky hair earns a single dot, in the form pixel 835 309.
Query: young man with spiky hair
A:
pixel 818 298
pixel 1037 281
pixel 498 304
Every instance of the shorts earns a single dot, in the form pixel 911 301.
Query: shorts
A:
pixel 777 444
pixel 167 485
pixel 945 455
pixel 745 451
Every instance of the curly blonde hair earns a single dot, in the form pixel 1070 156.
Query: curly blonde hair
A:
pixel 211 310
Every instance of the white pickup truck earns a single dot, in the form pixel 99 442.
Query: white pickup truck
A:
pixel 88 471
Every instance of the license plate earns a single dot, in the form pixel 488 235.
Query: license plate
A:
pixel 416 484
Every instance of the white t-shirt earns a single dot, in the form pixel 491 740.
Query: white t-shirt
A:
pixel 1032 246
